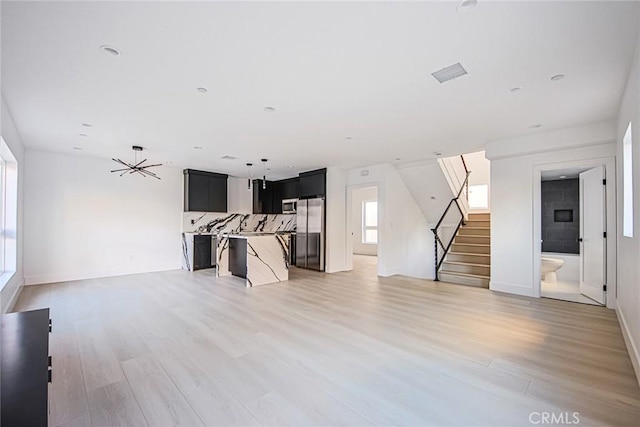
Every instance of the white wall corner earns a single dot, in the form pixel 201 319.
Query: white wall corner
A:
pixel 13 299
pixel 632 348
pixel 336 221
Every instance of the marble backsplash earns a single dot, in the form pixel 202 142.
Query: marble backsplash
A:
pixel 207 222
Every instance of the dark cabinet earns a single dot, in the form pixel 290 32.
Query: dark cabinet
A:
pixel 205 191
pixel 238 257
pixel 202 251
pixel 313 184
pixel 283 190
pixel 26 368
pixel 269 200
pixel 289 188
pixel 263 198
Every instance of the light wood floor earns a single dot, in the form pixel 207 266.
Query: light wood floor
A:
pixel 179 348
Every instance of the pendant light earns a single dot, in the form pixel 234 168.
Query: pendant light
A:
pixel 136 166
pixel 250 176
pixel 264 173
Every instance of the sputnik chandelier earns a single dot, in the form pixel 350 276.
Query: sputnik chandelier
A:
pixel 137 166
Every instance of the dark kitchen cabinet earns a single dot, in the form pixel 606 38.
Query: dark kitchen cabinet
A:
pixel 289 188
pixel 238 257
pixel 205 191
pixel 263 198
pixel 313 184
pixel 202 251
pixel 283 190
pixel 26 368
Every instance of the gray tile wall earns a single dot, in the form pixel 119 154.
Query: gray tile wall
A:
pixel 560 237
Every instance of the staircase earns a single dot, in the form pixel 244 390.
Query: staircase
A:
pixel 469 261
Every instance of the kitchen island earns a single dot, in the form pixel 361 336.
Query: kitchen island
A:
pixel 259 258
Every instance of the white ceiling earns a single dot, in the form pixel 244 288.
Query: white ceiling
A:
pixel 332 71
pixel 567 173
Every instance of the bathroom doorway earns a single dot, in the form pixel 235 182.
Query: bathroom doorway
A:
pixel 573 209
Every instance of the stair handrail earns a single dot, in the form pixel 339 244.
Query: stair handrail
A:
pixel 437 241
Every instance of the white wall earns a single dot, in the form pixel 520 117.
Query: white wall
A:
pixel 10 292
pixel 81 221
pixel 359 196
pixel 336 218
pixel 629 248
pixel 513 182
pixel 405 243
pixel 480 168
pixel 239 197
pixel 429 187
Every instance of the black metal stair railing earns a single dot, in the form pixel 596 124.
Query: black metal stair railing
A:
pixel 450 222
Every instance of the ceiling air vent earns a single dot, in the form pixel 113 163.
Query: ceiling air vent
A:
pixel 228 157
pixel 449 73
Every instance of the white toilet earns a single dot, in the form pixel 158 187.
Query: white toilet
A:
pixel 548 268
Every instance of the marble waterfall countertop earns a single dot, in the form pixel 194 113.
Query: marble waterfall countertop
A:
pixel 260 258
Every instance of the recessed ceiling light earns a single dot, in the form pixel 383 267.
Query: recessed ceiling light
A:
pixel 290 166
pixel 562 176
pixel 466 5
pixel 515 89
pixel 437 153
pixel 87 125
pixel 110 50
pixel 77 148
pixel 557 77
pixel 536 126
pixel 348 137
pixel 398 158
pixel 197 147
pixel 228 157
pixel 432 197
pixel 202 90
pixel 83 134
pixel 269 109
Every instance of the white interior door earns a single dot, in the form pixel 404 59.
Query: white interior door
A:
pixel 592 228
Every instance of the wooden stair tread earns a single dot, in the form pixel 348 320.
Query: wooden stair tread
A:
pixel 464 263
pixel 468 253
pixel 456 273
pixel 472 244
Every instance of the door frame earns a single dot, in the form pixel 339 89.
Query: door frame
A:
pixel 349 223
pixel 609 164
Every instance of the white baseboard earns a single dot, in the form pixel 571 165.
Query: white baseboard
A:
pixel 510 289
pixel 14 298
pixel 631 345
pixel 84 275
pixel 337 269
pixel 391 272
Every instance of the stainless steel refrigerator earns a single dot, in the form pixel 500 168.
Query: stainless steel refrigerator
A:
pixel 310 234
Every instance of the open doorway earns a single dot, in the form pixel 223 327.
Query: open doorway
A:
pixel 574 211
pixel 364 229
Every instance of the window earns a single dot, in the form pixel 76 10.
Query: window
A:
pixel 370 222
pixel 479 196
pixel 3 204
pixel 627 184
pixel 8 213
